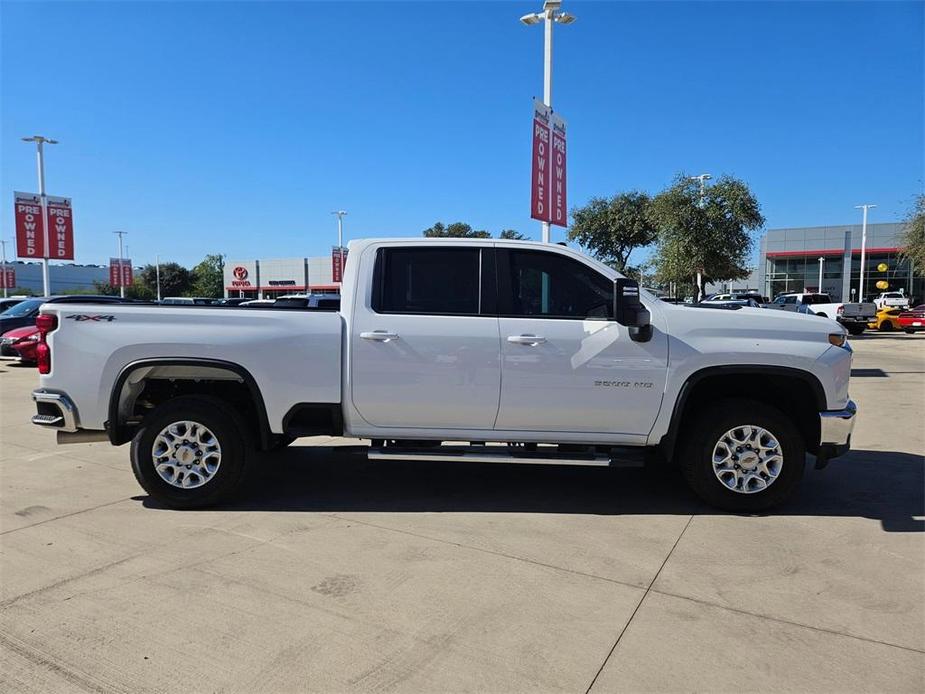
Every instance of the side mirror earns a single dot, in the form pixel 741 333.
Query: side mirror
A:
pixel 628 310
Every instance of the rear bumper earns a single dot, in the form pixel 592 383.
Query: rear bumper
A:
pixel 835 427
pixel 858 320
pixel 55 410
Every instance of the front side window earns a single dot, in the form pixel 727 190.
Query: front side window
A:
pixel 550 285
pixel 441 281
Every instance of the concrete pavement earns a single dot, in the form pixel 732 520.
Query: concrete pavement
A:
pixel 336 574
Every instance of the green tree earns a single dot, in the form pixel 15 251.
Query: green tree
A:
pixel 913 236
pixel 712 236
pixel 612 228
pixel 455 230
pixel 512 234
pixel 209 276
pixel 176 280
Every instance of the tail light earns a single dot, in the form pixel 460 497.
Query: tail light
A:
pixel 840 310
pixel 45 323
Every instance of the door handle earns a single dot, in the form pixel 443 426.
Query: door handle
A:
pixel 531 340
pixel 379 336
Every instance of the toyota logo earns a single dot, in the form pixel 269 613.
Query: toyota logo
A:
pixel 240 272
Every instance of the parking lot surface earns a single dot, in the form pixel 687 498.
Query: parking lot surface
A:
pixel 336 574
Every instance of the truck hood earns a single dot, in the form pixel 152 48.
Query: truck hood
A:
pixel 750 322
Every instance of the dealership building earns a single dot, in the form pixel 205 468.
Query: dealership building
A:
pixel 273 277
pixel 789 262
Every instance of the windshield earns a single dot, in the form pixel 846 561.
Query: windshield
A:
pixel 22 309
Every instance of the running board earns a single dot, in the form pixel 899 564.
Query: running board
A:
pixel 441 454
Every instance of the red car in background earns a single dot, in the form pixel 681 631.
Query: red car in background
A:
pixel 913 319
pixel 20 342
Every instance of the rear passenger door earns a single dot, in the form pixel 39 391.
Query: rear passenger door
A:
pixel 425 348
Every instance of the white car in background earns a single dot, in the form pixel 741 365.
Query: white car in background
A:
pixel 891 300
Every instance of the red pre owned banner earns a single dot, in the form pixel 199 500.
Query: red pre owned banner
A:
pixel 30 232
pixel 120 272
pixel 29 235
pixel 539 179
pixel 60 228
pixel 338 262
pixel 557 199
pixel 7 278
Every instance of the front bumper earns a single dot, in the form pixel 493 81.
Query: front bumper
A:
pixel 835 427
pixel 55 410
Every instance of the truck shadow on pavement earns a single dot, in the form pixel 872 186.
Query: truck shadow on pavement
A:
pixel 881 485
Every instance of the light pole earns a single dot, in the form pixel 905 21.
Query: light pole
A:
pixel 821 263
pixel 120 234
pixel 3 245
pixel 703 178
pixel 340 214
pixel 157 276
pixel 549 15
pixel 40 142
pixel 863 248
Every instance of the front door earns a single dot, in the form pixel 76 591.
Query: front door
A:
pixel 425 350
pixel 566 364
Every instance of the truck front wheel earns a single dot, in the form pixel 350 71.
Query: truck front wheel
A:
pixel 191 452
pixel 742 455
pixel 855 329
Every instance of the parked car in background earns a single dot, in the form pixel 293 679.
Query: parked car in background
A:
pixel 257 302
pixel 10 302
pixel 854 316
pixel 25 312
pixel 891 300
pixel 887 319
pixel 232 301
pixel 744 301
pixel 739 296
pixel 912 320
pixel 197 300
pixel 323 302
pixel 20 342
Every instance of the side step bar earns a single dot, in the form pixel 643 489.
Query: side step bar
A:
pixel 503 455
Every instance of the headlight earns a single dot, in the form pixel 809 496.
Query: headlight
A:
pixel 839 340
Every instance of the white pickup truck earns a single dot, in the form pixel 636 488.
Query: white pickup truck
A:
pixel 854 316
pixel 454 350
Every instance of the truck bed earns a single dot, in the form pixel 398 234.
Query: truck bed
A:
pixel 295 354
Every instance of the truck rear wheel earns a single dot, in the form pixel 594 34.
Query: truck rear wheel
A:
pixel 743 455
pixel 855 329
pixel 191 452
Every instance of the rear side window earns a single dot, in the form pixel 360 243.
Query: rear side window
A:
pixel 550 285
pixel 789 300
pixel 440 281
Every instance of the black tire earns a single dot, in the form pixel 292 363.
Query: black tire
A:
pixel 704 433
pixel 910 332
pixel 822 315
pixel 855 329
pixel 228 429
pixel 886 326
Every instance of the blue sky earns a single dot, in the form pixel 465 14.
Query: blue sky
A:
pixel 237 127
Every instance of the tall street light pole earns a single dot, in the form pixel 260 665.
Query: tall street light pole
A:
pixel 340 214
pixel 821 265
pixel 863 248
pixel 40 142
pixel 549 15
pixel 3 245
pixel 157 275
pixel 120 234
pixel 703 178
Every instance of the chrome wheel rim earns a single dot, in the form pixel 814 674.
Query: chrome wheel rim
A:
pixel 747 459
pixel 186 454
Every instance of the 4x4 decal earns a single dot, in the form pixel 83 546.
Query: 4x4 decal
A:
pixel 81 317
